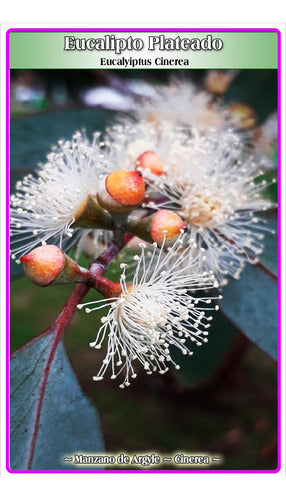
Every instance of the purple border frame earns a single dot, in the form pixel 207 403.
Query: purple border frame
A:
pixel 95 30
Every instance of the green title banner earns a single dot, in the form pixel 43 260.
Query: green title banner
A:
pixel 143 50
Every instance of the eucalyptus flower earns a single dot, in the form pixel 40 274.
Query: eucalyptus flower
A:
pixel 181 103
pixel 166 305
pixel 215 189
pixel 47 203
pixel 143 146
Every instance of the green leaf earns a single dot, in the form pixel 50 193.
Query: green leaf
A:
pixel 270 192
pixel 251 304
pixel 60 424
pixel 198 369
pixel 275 154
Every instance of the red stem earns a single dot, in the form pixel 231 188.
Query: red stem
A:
pixel 105 286
pixel 106 257
pixel 59 326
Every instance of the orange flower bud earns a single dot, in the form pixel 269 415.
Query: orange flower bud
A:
pixel 49 264
pixel 122 190
pixel 126 187
pixel 217 82
pixel 150 161
pixel 243 116
pixel 166 224
pixel 43 264
pixel 160 226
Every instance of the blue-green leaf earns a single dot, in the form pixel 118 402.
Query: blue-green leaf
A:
pixel 44 431
pixel 33 136
pixel 269 256
pixel 251 304
pixel 198 369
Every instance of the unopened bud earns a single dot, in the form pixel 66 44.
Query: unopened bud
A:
pixel 166 225
pixel 217 82
pixel 153 118
pixel 122 191
pixel 49 264
pixel 162 226
pixel 242 115
pixel 151 162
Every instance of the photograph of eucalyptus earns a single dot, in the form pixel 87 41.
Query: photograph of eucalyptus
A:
pixel 143 265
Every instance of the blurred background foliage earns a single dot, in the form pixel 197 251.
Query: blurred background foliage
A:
pixel 223 400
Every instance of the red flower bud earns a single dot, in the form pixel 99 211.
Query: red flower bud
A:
pixel 150 161
pixel 166 224
pixel 43 264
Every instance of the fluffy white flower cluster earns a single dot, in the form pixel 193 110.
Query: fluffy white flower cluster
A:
pixel 215 188
pixel 46 205
pixel 163 307
pixel 181 104
pixel 211 181
pixel 208 181
pixel 127 141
